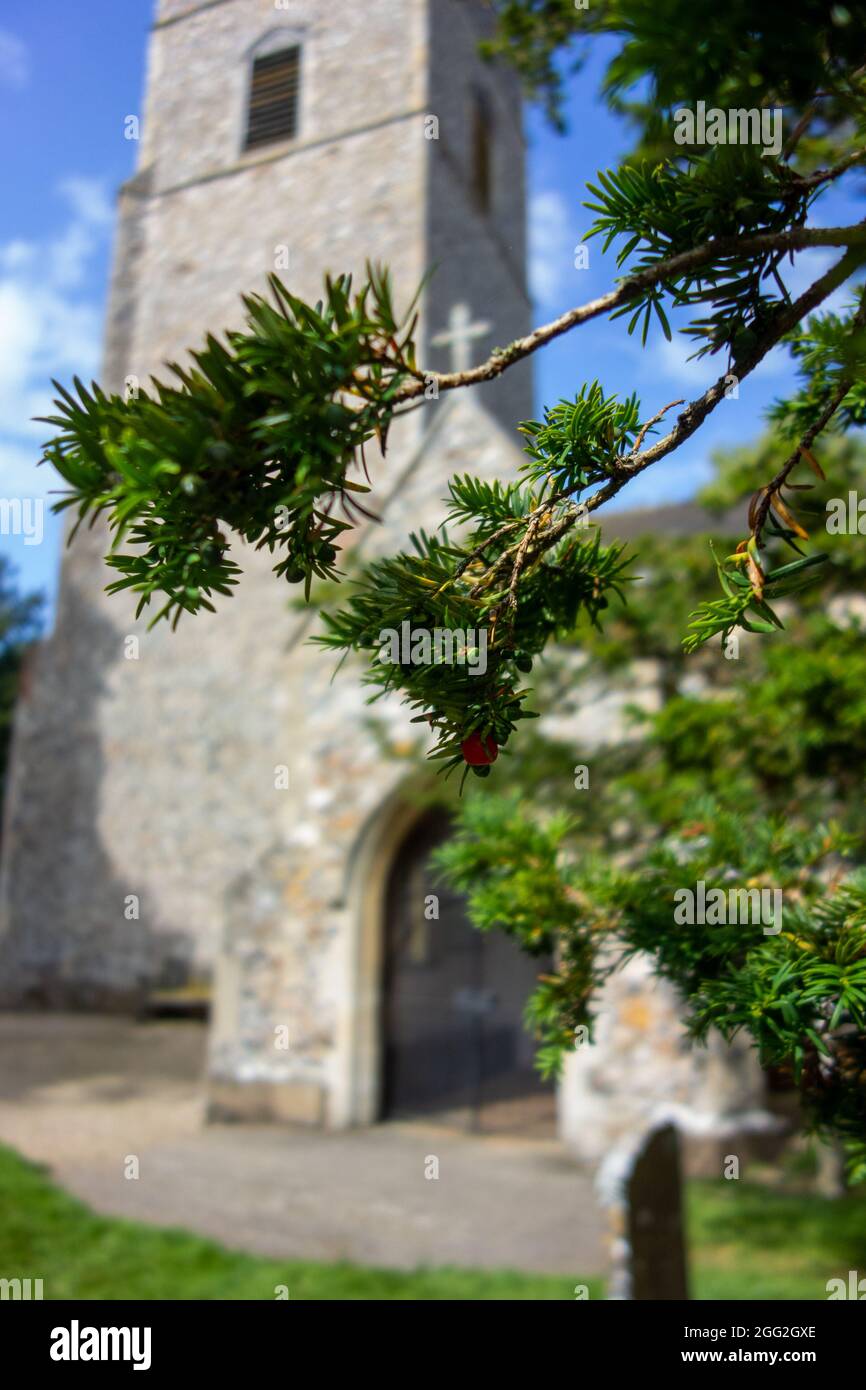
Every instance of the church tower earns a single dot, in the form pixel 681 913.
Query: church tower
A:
pixel 206 805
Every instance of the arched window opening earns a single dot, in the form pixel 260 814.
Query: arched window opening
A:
pixel 482 151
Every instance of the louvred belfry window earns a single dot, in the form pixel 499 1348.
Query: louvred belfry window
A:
pixel 274 96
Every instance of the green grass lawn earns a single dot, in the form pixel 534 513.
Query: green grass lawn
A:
pixel 747 1241
pixel 751 1241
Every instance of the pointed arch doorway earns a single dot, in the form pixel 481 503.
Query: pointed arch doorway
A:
pixel 454 1044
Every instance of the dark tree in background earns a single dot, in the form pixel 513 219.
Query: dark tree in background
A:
pixel 21 618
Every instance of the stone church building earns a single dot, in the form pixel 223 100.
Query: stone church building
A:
pixel 209 809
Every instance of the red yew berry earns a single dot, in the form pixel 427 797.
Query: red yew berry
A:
pixel 478 751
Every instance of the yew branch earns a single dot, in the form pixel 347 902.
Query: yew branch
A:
pixel 715 251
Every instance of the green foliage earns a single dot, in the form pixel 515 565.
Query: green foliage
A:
pixel 741 598
pixel 785 730
pixel 782 53
pixel 259 438
pixel 534 35
pixel 476 686
pixel 798 993
pixel 785 734
pixel 729 191
pixel 756 781
pixel 666 52
pixel 579 442
pixel 830 348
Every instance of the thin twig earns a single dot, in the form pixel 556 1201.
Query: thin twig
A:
pixel 654 421
pixel 802 125
pixel 778 482
pixel 834 172
pixel 520 558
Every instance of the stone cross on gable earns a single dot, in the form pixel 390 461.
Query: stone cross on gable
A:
pixel 459 336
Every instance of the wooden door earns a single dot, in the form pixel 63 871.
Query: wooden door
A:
pixel 453 999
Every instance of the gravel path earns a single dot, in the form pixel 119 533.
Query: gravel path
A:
pixel 82 1093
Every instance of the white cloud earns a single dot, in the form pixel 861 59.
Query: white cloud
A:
pixel 67 254
pixel 672 359
pixel 552 238
pixel 49 330
pixel 88 200
pixel 14 61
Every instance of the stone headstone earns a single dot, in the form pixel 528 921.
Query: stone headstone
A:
pixel 641 1186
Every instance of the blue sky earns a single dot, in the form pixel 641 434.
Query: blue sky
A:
pixel 70 74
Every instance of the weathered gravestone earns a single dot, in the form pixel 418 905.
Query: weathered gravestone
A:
pixel 641 1187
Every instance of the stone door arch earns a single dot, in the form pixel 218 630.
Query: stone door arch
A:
pixel 452 1002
